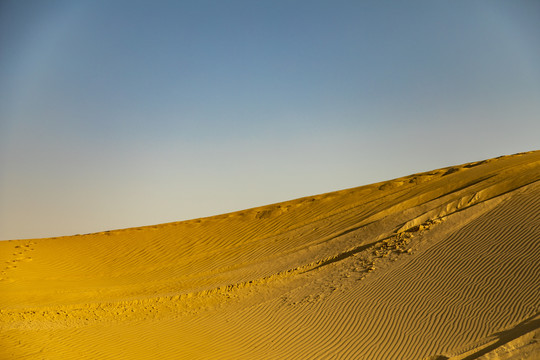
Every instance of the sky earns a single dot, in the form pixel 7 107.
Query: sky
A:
pixel 116 114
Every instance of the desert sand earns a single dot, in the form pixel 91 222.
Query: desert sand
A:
pixel 437 265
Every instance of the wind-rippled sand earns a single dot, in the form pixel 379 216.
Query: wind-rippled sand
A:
pixel 437 265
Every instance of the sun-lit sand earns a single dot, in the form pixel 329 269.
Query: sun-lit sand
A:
pixel 437 265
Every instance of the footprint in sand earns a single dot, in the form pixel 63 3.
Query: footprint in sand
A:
pixel 21 254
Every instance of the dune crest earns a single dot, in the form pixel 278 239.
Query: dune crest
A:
pixel 437 265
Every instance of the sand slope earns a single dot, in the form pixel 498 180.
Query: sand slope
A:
pixel 438 265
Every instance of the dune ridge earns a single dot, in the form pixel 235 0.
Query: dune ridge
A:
pixel 437 265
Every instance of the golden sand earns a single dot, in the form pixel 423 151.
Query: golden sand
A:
pixel 437 265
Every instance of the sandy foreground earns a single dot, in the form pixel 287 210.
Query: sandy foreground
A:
pixel 438 265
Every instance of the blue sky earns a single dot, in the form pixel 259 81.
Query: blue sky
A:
pixel 124 113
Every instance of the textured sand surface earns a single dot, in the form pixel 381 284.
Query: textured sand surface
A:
pixel 437 265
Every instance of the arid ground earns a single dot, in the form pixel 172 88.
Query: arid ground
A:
pixel 437 265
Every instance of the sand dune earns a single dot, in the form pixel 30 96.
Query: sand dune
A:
pixel 437 265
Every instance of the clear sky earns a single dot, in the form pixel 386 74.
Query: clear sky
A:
pixel 124 113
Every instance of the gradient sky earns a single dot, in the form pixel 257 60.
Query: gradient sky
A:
pixel 125 113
